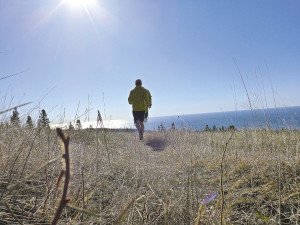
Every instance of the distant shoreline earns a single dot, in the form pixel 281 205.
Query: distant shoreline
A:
pixel 231 111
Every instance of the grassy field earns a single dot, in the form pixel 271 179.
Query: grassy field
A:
pixel 173 177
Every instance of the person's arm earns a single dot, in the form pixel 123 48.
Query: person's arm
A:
pixel 150 99
pixel 130 100
pixel 147 100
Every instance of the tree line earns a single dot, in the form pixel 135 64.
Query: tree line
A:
pixel 161 127
pixel 43 121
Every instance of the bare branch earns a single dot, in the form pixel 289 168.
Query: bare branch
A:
pixel 12 75
pixel 64 199
pixel 15 107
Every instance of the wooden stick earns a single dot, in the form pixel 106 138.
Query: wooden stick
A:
pixel 64 199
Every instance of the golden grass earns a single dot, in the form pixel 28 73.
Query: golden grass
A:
pixel 139 184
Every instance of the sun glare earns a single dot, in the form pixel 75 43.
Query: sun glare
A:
pixel 77 4
pixel 92 9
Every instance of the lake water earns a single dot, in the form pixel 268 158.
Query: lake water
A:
pixel 276 118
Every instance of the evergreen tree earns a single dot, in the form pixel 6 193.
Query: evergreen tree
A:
pixel 214 128
pixel 43 119
pixel 231 128
pixel 222 128
pixel 78 125
pixel 29 123
pixel 206 128
pixel 71 127
pixel 14 119
pixel 173 126
pixel 161 127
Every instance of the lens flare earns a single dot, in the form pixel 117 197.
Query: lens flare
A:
pixel 79 4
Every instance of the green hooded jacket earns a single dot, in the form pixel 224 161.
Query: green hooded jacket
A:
pixel 139 99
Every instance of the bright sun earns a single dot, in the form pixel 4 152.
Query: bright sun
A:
pixel 80 3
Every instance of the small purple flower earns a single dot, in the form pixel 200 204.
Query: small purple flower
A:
pixel 209 198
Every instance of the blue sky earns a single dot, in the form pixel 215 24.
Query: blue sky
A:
pixel 88 54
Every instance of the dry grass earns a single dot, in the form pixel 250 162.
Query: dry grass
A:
pixel 161 182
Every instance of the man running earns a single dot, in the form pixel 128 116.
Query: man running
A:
pixel 140 101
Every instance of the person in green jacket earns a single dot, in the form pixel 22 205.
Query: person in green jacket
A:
pixel 140 101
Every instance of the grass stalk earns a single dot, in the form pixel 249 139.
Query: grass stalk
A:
pixel 83 192
pixel 28 154
pixel 222 178
pixel 120 218
pixel 12 214
pixel 200 214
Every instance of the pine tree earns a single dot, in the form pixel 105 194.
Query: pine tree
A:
pixel 173 126
pixel 29 123
pixel 207 128
pixel 14 119
pixel 43 119
pixel 71 127
pixel 222 128
pixel 214 128
pixel 231 128
pixel 161 127
pixel 78 125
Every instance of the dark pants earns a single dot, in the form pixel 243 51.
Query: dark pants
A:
pixel 138 115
